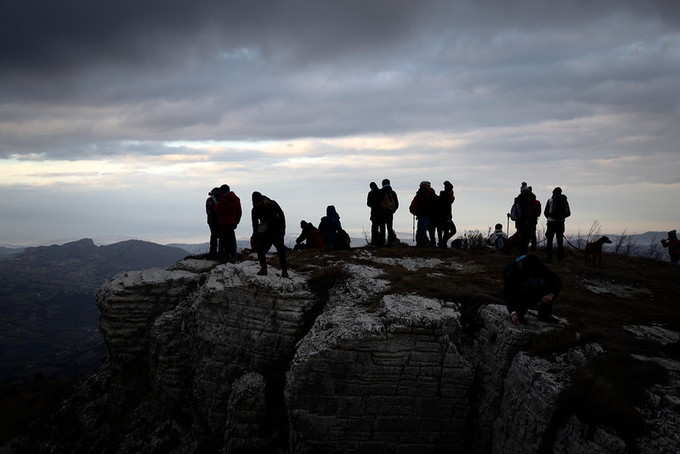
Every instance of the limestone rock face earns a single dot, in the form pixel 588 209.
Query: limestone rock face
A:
pixel 531 391
pixel 382 379
pixel 210 358
pixel 131 301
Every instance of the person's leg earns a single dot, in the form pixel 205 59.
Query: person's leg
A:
pixel 524 237
pixel 449 232
pixel 391 236
pixel 264 243
pixel 375 231
pixel 230 235
pixel 559 231
pixel 221 242
pixel 381 234
pixel 532 237
pixel 421 236
pixel 549 234
pixel 431 232
pixel 440 235
pixel 282 251
pixel 212 252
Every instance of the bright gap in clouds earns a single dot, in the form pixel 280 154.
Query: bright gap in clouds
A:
pixel 160 196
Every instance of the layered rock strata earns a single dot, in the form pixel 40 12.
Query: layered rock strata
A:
pixel 215 359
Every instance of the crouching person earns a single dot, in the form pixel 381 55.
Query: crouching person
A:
pixel 529 283
pixel 269 228
pixel 310 238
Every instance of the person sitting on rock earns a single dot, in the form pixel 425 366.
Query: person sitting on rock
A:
pixel 498 238
pixel 527 283
pixel 269 228
pixel 310 238
pixel 330 226
pixel 673 245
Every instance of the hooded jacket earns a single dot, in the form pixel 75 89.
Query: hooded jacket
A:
pixel 228 209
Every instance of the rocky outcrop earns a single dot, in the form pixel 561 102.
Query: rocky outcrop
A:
pixel 208 358
pixel 382 380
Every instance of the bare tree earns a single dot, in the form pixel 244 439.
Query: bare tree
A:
pixel 621 242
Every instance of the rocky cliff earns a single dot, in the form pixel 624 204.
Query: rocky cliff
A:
pixel 208 358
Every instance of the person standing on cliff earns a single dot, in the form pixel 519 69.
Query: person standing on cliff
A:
pixel 210 203
pixel 424 207
pixel 228 209
pixel 527 283
pixel 269 228
pixel 373 202
pixel 556 211
pixel 446 229
pixel 388 204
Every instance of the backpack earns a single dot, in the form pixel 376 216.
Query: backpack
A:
pixel 515 211
pixel 343 240
pixel 558 207
pixel 388 203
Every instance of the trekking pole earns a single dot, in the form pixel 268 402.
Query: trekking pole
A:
pixel 507 229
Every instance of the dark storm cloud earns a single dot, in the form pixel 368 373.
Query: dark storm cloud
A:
pixel 78 76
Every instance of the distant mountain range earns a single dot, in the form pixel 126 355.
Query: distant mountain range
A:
pixel 48 316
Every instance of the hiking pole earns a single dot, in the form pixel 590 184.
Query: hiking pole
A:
pixel 507 229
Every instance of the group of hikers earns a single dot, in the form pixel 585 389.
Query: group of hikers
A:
pixel 432 211
pixel 223 209
pixel 527 281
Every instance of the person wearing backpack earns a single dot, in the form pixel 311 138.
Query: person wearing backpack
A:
pixel 210 203
pixel 374 202
pixel 673 245
pixel 524 214
pixel 228 209
pixel 556 211
pixel 269 228
pixel 389 204
pixel 424 207
pixel 498 238
pixel 446 229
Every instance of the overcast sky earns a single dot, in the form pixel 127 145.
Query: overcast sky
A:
pixel 117 117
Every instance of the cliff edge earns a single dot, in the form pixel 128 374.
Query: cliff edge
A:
pixel 348 355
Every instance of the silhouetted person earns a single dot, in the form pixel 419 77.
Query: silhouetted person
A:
pixel 210 203
pixel 269 228
pixel 556 211
pixel 525 212
pixel 330 226
pixel 228 208
pixel 446 229
pixel 535 214
pixel 373 200
pixel 424 207
pixel 310 238
pixel 498 238
pixel 529 283
pixel 673 245
pixel 389 204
